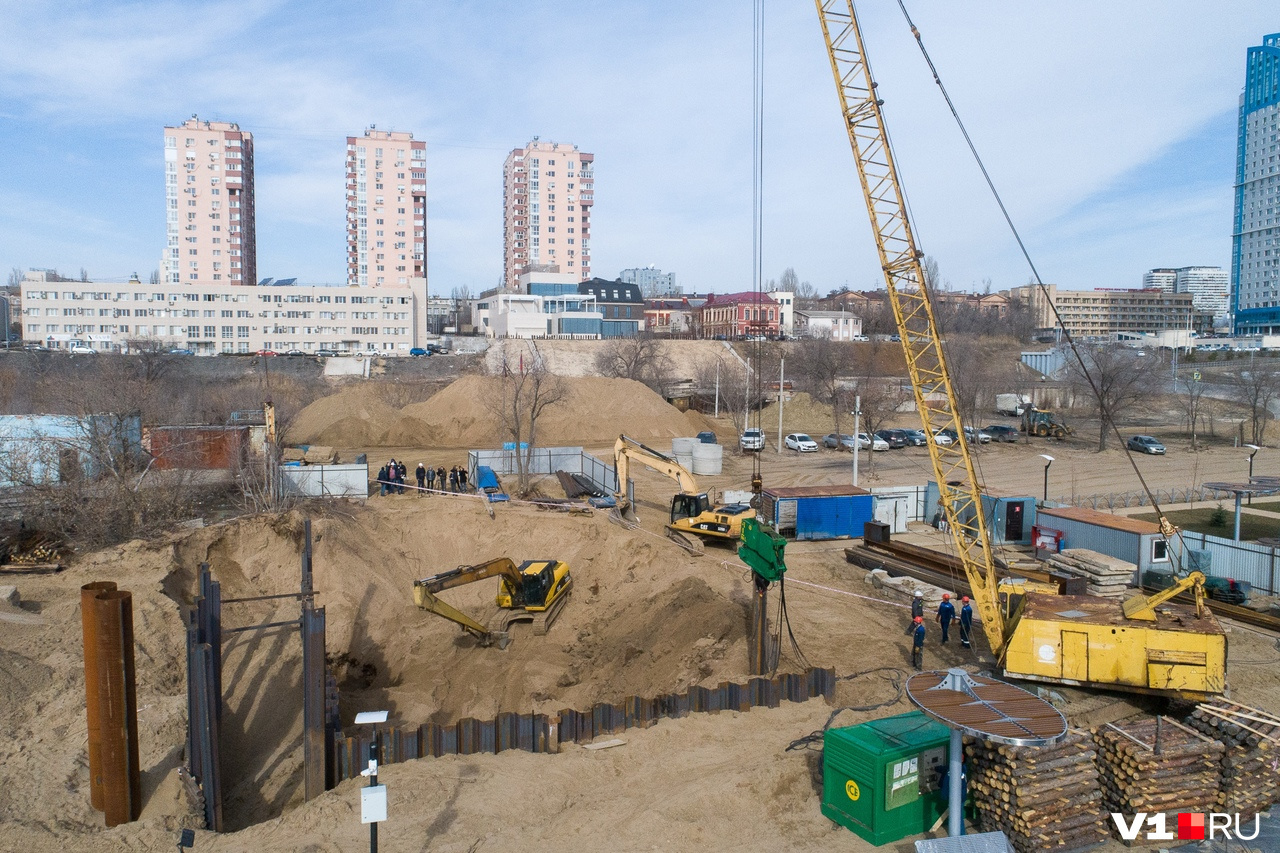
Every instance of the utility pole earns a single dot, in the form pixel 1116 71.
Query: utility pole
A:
pixel 857 420
pixel 746 398
pixel 781 374
pixel 718 388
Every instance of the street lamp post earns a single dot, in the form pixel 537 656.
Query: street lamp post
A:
pixel 1048 460
pixel 1255 448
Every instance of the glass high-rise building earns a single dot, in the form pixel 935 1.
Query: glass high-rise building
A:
pixel 1255 250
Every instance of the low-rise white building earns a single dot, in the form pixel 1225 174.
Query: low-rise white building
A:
pixel 222 318
pixel 836 325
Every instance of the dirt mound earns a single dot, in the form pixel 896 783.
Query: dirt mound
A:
pixel 463 415
pixel 343 419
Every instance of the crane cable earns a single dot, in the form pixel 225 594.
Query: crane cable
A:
pixel 1104 407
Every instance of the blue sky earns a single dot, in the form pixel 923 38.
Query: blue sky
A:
pixel 1109 128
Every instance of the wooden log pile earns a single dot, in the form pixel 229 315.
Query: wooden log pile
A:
pixel 1251 758
pixel 1107 576
pixel 1156 764
pixel 1042 798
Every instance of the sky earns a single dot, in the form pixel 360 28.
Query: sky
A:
pixel 1109 129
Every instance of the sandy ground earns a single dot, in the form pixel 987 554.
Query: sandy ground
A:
pixel 644 618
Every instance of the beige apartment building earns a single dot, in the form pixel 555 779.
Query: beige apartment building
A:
pixel 222 318
pixel 548 189
pixel 386 208
pixel 1103 312
pixel 209 204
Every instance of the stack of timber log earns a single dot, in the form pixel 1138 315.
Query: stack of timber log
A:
pixel 1156 764
pixel 1107 576
pixel 1251 759
pixel 1042 798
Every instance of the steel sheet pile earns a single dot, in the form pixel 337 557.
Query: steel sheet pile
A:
pixel 1106 576
pixel 1041 797
pixel 1175 769
pixel 1251 759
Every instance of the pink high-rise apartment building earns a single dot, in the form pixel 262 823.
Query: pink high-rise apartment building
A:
pixel 386 208
pixel 547 194
pixel 209 207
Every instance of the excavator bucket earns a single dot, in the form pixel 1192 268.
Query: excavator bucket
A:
pixel 624 515
pixel 691 544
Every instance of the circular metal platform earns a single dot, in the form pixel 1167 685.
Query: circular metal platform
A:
pixel 986 708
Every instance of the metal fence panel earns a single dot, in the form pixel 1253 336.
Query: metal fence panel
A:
pixel 1244 561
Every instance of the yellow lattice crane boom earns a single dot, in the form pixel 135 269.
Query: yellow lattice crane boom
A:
pixel 912 310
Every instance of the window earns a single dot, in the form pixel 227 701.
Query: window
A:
pixel 1159 551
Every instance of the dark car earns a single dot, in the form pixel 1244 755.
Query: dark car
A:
pixel 180 351
pixel 1146 444
pixel 326 353
pixel 1002 432
pixel 916 437
pixel 437 349
pixel 897 438
pixel 295 353
pixel 707 437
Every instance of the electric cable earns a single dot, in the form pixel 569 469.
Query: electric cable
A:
pixel 896 679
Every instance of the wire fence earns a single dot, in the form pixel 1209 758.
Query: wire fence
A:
pixel 1164 497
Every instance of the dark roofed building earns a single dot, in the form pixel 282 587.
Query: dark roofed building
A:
pixel 621 304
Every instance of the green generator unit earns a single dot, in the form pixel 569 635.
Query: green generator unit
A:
pixel 881 779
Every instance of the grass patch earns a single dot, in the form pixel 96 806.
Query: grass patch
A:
pixel 1201 521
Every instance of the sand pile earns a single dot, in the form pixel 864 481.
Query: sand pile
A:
pixel 465 414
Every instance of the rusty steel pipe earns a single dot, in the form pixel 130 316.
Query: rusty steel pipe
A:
pixel 118 707
pixel 88 593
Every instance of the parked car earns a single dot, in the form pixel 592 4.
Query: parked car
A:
pixel 266 352
pixel 977 436
pixel 838 441
pixel 752 439
pixel 35 348
pixel 82 349
pixel 180 351
pixel 916 437
pixel 944 437
pixel 801 443
pixel 1000 432
pixel 875 442
pixel 326 353
pixel 709 437
pixel 897 438
pixel 417 351
pixel 294 353
pixel 1146 444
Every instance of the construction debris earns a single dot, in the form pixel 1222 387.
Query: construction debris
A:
pixel 1251 760
pixel 1156 764
pixel 1107 576
pixel 1041 797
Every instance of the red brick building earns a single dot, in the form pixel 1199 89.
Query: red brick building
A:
pixel 734 315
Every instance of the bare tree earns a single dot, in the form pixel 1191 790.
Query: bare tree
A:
pixel 84 274
pixel 1256 388
pixel 821 367
pixel 1115 380
pixel 1192 399
pixel 525 391
pixel 461 296
pixel 789 281
pixel 15 278
pixel 642 358
pixel 806 295
pixel 155 276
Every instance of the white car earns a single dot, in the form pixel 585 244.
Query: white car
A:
pixel 801 443
pixel 875 442
pixel 82 349
pixel 942 439
pixel 752 439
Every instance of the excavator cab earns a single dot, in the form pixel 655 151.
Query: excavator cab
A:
pixel 542 582
pixel 688 506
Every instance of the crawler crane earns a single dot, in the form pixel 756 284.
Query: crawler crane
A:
pixel 1145 645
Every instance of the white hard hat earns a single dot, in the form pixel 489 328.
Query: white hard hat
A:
pixel 919 593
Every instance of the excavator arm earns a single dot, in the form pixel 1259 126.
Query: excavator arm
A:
pixel 428 601
pixel 424 595
pixel 910 299
pixel 626 449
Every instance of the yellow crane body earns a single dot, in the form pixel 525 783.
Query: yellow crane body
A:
pixel 1088 641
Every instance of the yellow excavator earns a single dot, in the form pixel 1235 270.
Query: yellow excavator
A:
pixel 535 591
pixel 1145 644
pixel 691 510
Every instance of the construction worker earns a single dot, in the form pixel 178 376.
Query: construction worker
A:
pixel 917 644
pixel 917 604
pixel 420 474
pixel 966 622
pixel 946 613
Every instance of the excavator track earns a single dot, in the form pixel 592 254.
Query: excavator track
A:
pixel 542 619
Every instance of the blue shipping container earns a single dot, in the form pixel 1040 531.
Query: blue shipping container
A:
pixel 819 512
